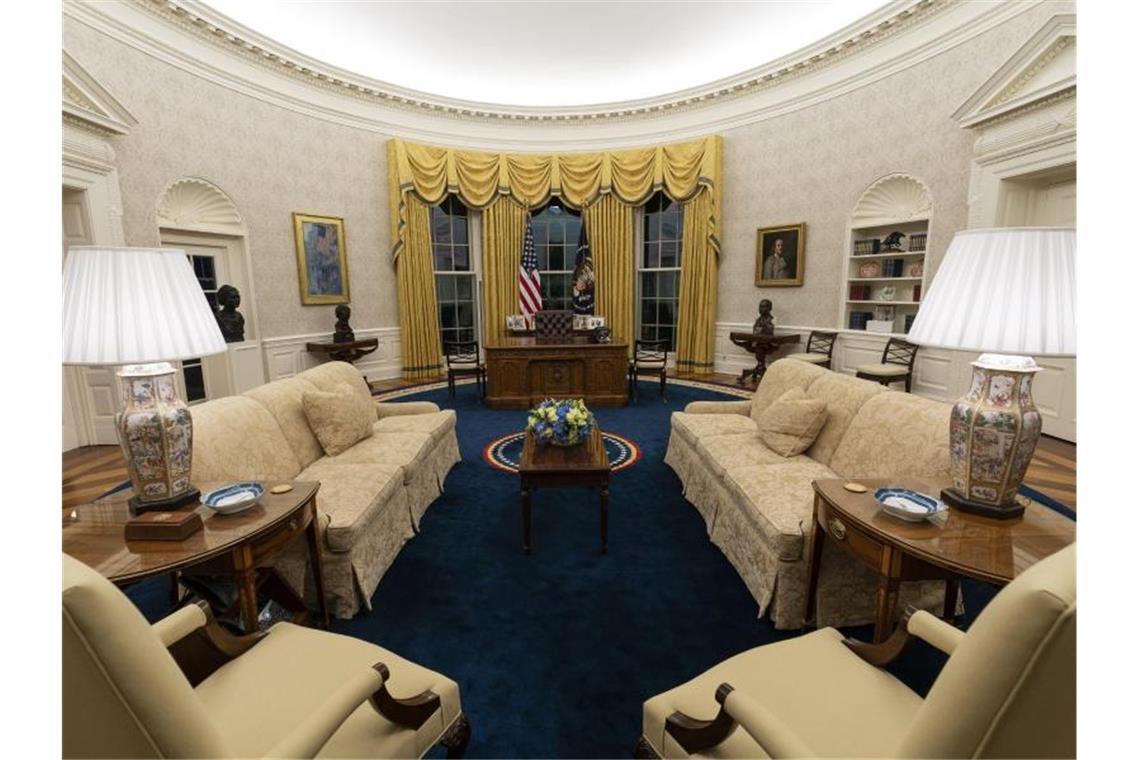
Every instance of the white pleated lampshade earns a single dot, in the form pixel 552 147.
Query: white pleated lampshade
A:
pixel 1009 290
pixel 133 306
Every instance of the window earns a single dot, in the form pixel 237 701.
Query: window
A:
pixel 659 270
pixel 192 373
pixel 454 271
pixel 556 230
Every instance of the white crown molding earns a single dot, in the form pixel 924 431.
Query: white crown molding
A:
pixel 194 38
pixel 1028 77
pixel 87 103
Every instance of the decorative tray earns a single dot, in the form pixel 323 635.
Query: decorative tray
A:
pixel 909 505
pixel 236 497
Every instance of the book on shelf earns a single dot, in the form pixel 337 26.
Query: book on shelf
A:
pixel 865 246
pixel 858 320
pixel 860 292
pixel 917 242
pixel 917 293
pixel 908 320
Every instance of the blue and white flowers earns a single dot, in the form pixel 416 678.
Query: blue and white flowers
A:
pixel 562 423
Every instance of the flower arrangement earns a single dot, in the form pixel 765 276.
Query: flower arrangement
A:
pixel 561 423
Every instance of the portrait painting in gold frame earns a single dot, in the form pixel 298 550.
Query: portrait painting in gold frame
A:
pixel 322 259
pixel 780 256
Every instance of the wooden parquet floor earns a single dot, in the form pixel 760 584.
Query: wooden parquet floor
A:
pixel 91 471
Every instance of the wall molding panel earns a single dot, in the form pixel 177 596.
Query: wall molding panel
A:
pixel 286 356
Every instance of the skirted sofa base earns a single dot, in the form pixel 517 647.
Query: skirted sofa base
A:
pixel 372 496
pixel 757 506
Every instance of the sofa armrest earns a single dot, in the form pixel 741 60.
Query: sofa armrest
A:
pixel 773 735
pixel 180 624
pixel 744 406
pixel 308 737
pixel 397 408
pixel 934 631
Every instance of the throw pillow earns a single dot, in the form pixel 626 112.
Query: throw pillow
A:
pixel 339 418
pixel 790 425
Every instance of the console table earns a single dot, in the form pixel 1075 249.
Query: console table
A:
pixel 344 352
pixel 522 371
pixel 760 346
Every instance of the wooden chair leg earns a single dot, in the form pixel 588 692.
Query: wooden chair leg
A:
pixel 908 382
pixel 662 384
pixel 457 737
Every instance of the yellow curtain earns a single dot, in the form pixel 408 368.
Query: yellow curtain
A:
pixel 688 172
pixel 419 310
pixel 696 319
pixel 609 224
pixel 504 225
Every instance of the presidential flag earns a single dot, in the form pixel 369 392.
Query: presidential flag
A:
pixel 530 284
pixel 583 300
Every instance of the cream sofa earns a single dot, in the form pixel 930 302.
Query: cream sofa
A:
pixel 757 505
pixel 372 496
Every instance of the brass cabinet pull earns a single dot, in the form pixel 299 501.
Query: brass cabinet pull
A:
pixel 837 529
pixel 293 525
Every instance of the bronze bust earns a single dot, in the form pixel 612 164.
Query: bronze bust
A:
pixel 763 324
pixel 230 320
pixel 343 332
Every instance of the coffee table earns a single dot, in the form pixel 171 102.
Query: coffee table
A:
pixel 585 465
pixel 966 546
pixel 242 545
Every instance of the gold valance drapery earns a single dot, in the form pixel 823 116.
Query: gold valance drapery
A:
pixel 688 172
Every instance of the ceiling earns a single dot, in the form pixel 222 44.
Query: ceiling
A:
pixel 567 53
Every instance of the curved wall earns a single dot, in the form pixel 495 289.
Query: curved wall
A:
pixel 800 162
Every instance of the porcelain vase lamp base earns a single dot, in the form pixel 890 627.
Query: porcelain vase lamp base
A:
pixel 156 435
pixel 993 432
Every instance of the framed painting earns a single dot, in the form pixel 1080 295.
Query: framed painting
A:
pixel 780 256
pixel 322 259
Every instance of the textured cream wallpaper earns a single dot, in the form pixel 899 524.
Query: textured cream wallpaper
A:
pixel 808 166
pixel 269 160
pixel 812 165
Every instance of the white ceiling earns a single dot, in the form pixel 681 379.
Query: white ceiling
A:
pixel 566 53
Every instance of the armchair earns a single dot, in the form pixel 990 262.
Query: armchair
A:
pixel 1008 688
pixel 186 687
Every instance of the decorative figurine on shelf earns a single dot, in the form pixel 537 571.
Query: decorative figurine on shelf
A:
pixel 763 324
pixel 892 242
pixel 602 334
pixel 887 293
pixel 884 313
pixel 343 332
pixel 230 320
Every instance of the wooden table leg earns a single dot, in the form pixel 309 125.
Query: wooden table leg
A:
pixel 886 599
pixel 605 505
pixel 312 533
pixel 950 603
pixel 817 538
pixel 246 577
pixel 526 505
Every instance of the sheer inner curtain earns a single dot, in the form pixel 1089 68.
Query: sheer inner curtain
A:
pixel 608 186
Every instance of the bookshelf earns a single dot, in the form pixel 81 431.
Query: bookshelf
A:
pixel 880 276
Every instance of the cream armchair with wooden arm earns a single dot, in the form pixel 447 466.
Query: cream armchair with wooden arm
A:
pixel 186 687
pixel 1008 688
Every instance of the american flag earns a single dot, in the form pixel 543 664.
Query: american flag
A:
pixel 530 285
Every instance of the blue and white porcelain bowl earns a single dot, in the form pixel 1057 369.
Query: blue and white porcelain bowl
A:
pixel 233 498
pixel 908 505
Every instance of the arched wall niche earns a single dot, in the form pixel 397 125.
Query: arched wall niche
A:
pixel 895 198
pixel 194 204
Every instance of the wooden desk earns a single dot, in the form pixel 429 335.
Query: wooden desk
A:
pixel 759 346
pixel 966 546
pixel 586 465
pixel 521 372
pixel 237 545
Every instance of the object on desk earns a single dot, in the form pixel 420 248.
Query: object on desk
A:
pixel 764 324
pixel 908 505
pixel 342 331
pixel 855 487
pixel 281 488
pixel 516 322
pixel 234 498
pixel 601 334
pixel 163 526
pixel 869 269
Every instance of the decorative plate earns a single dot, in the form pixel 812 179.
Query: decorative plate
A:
pixel 233 498
pixel 916 269
pixel 908 505
pixel 869 269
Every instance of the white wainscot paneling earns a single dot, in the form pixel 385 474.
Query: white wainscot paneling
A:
pixel 286 356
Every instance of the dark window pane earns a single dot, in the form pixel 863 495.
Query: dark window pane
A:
pixel 447 316
pixel 669 254
pixel 652 227
pixel 648 332
pixel 667 284
pixel 648 312
pixel 666 333
pixel 195 381
pixel 652 255
pixel 670 227
pixel 440 229
pixel 666 312
pixel 442 255
pixel 463 288
pixel 445 288
pixel 556 233
pixel 539 234
pixel 459 230
pixel 466 314
pixel 212 299
pixel 543 259
pixel 556 257
pixel 648 285
pixel 462 259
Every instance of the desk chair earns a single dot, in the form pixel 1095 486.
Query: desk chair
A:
pixel 186 687
pixel 463 361
pixel 897 364
pixel 649 358
pixel 1009 688
pixel 819 347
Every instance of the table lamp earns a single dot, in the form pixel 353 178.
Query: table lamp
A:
pixel 1011 292
pixel 139 309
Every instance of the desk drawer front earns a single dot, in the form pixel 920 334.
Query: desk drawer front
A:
pixel 856 542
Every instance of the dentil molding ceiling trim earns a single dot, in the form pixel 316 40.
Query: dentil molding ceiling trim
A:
pixel 193 37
